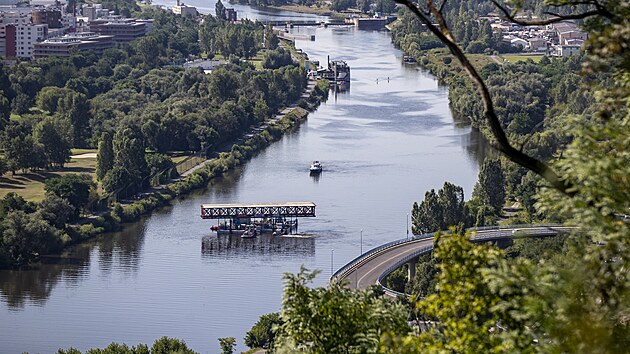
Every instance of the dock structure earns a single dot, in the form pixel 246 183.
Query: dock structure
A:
pixel 262 210
pixel 275 218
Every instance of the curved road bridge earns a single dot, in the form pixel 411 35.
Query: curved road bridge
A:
pixel 371 267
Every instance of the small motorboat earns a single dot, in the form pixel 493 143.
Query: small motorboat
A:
pixel 409 59
pixel 250 233
pixel 316 167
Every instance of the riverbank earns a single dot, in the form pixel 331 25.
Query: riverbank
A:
pixel 303 9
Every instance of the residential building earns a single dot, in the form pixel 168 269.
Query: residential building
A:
pixel 123 29
pixel 568 30
pixel 25 38
pixel 184 10
pixel 65 45
pixel 518 42
pixel 567 50
pixel 537 44
pixel 230 14
pixel 50 17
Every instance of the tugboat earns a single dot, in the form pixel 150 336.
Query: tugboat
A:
pixel 338 72
pixel 316 167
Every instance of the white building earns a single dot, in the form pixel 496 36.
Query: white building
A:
pixel 184 10
pixel 14 16
pixel 25 38
pixel 518 42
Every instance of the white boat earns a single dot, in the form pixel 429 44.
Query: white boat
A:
pixel 250 233
pixel 316 167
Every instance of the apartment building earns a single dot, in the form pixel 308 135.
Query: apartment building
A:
pixel 122 29
pixel 63 46
pixel 25 38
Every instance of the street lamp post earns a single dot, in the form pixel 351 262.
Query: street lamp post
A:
pixel 332 257
pixel 407 226
pixel 361 241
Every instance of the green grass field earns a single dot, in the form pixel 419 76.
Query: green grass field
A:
pixel 82 151
pixel 31 185
pixel 515 58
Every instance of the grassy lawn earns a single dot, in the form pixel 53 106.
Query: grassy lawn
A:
pixel 515 58
pixel 178 159
pixel 436 56
pixel 31 185
pixel 82 151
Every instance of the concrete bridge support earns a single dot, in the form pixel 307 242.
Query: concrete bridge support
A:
pixel 411 268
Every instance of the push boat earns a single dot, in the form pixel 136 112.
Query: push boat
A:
pixel 316 167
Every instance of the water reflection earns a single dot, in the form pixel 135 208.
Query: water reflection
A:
pixel 233 245
pixel 34 286
pixel 315 176
pixel 115 252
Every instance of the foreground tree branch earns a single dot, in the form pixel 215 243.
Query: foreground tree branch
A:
pixel 502 143
pixel 511 16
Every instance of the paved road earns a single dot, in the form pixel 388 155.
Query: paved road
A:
pixel 365 271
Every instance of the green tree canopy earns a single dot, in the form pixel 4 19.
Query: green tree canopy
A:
pixel 73 187
pixel 334 319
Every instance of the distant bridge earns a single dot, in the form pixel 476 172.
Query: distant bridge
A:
pixel 290 24
pixel 373 266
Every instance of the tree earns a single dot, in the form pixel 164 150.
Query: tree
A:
pixel 451 200
pixel 73 187
pixel 490 188
pixel 490 325
pixel 26 236
pixel 427 217
pixel 129 154
pixel 148 50
pixel 18 147
pixel 166 345
pixel 263 333
pixel 49 133
pixel 13 201
pixel 105 156
pixel 334 319
pixel 4 166
pixel 56 211
pixel 116 179
pixel 227 344
pixel 219 10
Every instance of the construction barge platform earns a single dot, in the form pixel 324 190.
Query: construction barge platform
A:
pixel 275 218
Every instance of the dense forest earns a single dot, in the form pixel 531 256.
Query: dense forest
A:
pixel 136 104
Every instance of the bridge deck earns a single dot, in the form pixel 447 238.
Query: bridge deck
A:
pixel 366 270
pixel 260 210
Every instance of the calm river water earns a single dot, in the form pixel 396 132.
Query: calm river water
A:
pixel 383 143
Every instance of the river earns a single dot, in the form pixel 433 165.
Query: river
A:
pixel 383 143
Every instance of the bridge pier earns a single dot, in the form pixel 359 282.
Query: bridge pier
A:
pixel 411 268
